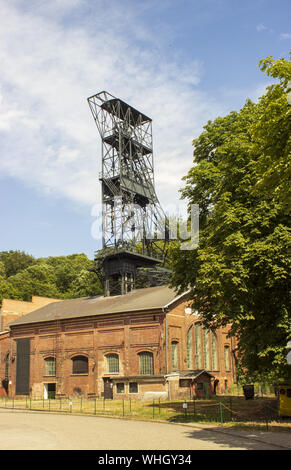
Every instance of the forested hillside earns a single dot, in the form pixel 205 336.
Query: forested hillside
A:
pixel 63 277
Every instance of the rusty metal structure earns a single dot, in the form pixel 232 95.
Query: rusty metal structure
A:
pixel 132 217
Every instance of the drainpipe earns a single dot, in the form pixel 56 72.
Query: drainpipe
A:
pixel 166 344
pixel 233 361
pixel 166 340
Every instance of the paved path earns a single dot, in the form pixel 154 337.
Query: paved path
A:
pixel 39 431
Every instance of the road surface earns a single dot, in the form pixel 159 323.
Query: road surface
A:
pixel 40 431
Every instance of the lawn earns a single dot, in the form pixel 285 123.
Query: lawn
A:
pixel 261 412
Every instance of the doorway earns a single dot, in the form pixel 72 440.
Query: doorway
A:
pixel 108 389
pixel 50 391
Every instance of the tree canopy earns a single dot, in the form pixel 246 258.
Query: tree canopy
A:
pixel 61 277
pixel 240 272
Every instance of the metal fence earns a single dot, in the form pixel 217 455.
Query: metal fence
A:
pixel 221 410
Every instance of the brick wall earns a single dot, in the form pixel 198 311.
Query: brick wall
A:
pixel 126 335
pixel 178 324
pixel 13 309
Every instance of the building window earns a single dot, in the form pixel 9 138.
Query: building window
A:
pixel 190 348
pixel 146 363
pixel 226 357
pixel 112 363
pixel 120 387
pixel 80 365
pixel 50 366
pixel 175 361
pixel 214 351
pixel 133 388
pixel 206 348
pixel 198 345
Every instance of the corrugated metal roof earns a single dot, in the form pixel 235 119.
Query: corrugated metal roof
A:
pixel 138 300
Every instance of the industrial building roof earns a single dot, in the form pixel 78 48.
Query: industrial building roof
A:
pixel 151 298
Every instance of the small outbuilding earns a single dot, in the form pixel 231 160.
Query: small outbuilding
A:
pixel 199 383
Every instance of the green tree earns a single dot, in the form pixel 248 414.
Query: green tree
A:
pixel 15 261
pixel 272 134
pixel 240 272
pixel 34 280
pixel 72 272
pixel 61 277
pixel 86 284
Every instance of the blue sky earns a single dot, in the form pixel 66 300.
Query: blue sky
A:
pixel 181 62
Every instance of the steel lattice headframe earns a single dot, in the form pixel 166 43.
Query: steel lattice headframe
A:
pixel 131 211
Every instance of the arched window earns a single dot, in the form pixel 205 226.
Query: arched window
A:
pixel 146 363
pixel 80 365
pixel 226 357
pixel 175 361
pixel 198 345
pixel 50 366
pixel 214 352
pixel 190 348
pixel 206 349
pixel 112 363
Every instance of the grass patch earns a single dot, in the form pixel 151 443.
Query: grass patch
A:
pixel 230 411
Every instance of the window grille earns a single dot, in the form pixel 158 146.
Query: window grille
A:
pixel 198 345
pixel 50 366
pixel 226 357
pixel 206 348
pixel 190 348
pixel 174 355
pixel 133 387
pixel 214 351
pixel 146 363
pixel 112 363
pixel 80 365
pixel 120 387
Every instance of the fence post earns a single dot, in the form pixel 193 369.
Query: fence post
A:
pixel 95 407
pixel 159 406
pixel 153 408
pixel 194 409
pixel 103 404
pixel 221 413
pixel 185 408
pixel 230 406
pixel 130 405
pixel 123 407
pixel 81 405
pixel 266 416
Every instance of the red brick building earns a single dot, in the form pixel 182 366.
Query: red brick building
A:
pixel 147 343
pixel 13 309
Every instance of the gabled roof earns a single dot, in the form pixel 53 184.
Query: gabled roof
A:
pixel 151 298
pixel 193 374
pixel 190 374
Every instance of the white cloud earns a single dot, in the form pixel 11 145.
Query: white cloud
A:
pixel 261 27
pixel 49 67
pixel 285 36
